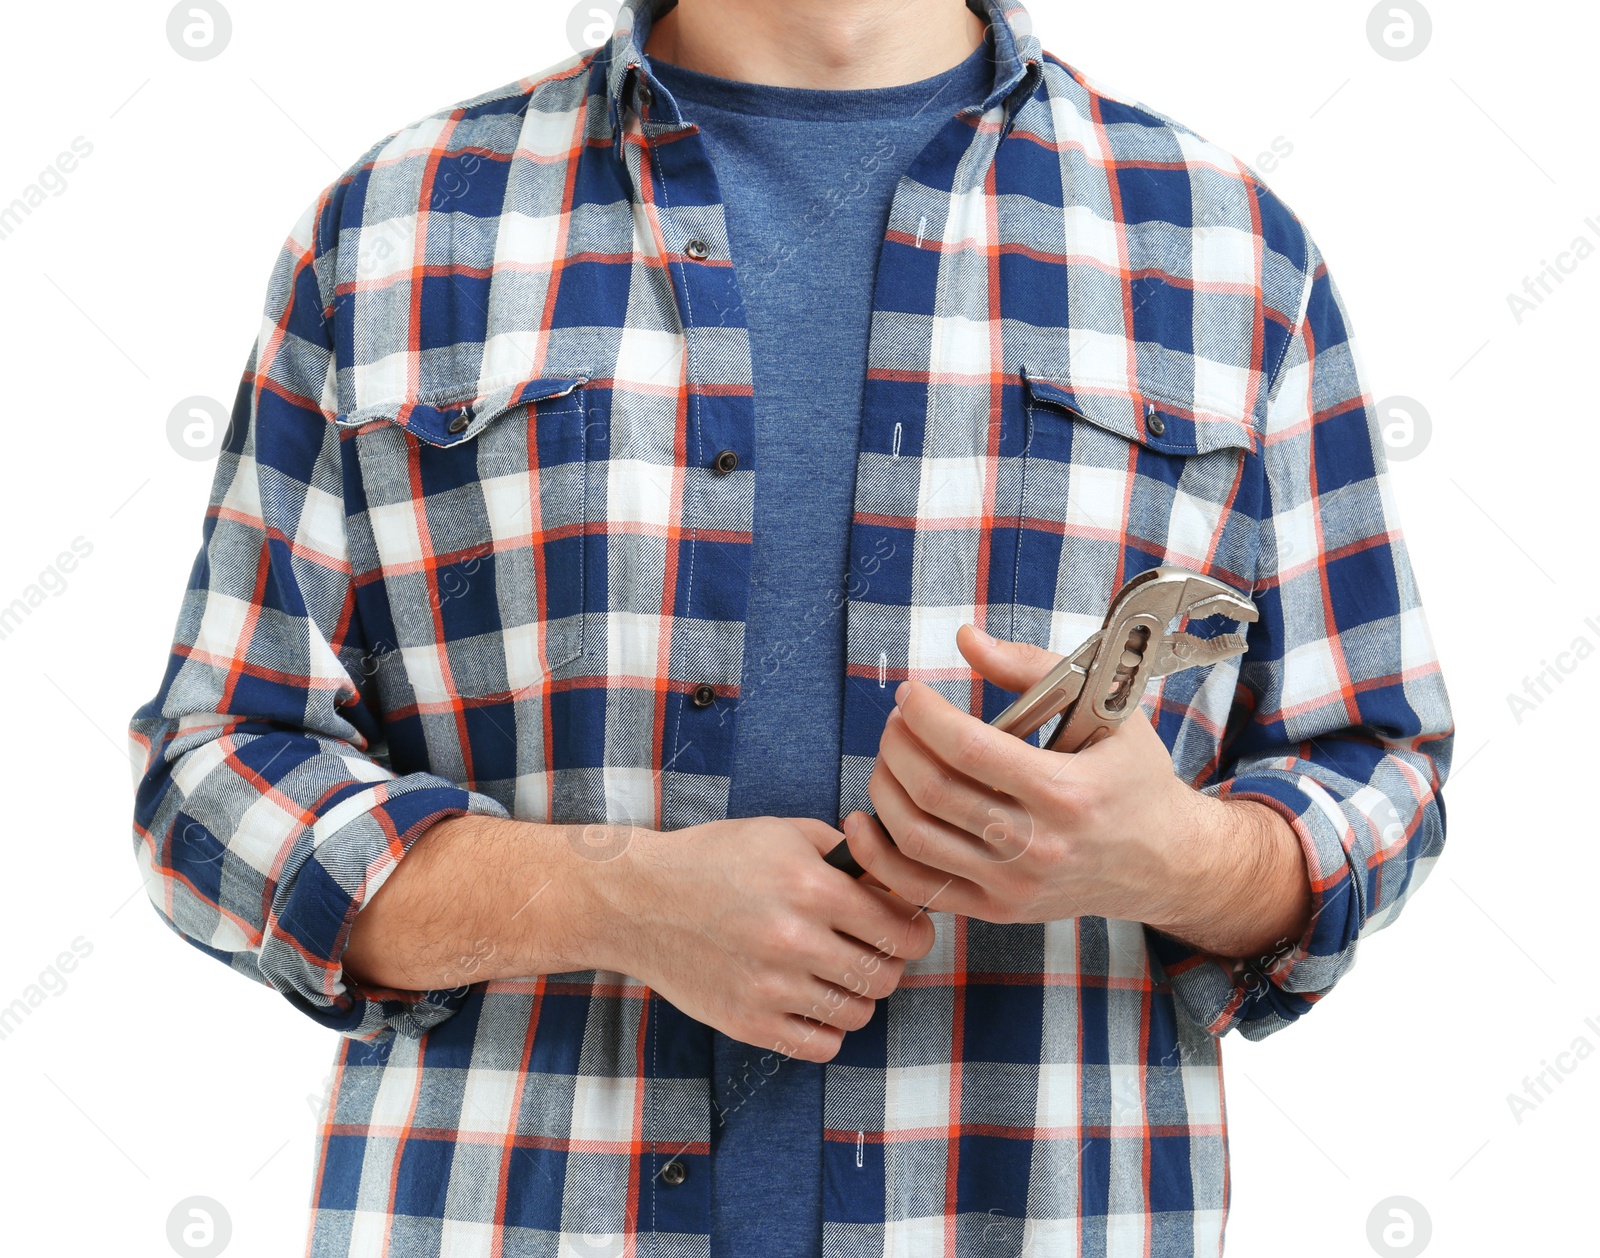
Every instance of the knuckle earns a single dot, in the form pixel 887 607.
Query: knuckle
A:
pixel 863 973
pixel 812 881
pixel 847 1017
pixel 1003 881
pixel 916 841
pixel 887 979
pixel 752 1031
pixel 788 933
pixel 767 990
pixel 786 1035
pixel 1071 799
pixel 1006 828
pixel 929 788
pixel 878 784
pixel 1035 656
pixel 825 1047
pixel 974 752
pixel 859 1012
pixel 809 1041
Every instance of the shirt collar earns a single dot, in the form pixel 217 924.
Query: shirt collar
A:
pixel 1017 57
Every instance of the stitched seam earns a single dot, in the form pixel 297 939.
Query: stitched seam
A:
pixel 1143 441
pixel 694 538
pixel 582 412
pixel 1022 510
pixel 441 399
pixel 694 400
pixel 1302 315
pixel 1120 387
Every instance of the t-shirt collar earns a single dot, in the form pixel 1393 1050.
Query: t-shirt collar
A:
pixel 1017 58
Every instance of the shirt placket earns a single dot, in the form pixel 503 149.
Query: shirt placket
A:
pixel 902 427
pixel 705 600
pixel 708 540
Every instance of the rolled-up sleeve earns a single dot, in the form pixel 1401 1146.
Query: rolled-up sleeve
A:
pixel 266 815
pixel 1342 723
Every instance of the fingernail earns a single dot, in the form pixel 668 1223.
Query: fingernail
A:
pixel 849 826
pixel 982 636
pixel 901 691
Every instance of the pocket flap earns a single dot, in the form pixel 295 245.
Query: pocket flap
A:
pixel 1145 421
pixel 438 420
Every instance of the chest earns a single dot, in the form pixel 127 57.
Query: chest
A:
pixel 550 525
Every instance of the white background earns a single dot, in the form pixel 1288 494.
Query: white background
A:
pixel 1434 186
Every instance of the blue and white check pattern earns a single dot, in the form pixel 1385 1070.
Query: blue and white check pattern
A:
pixel 467 552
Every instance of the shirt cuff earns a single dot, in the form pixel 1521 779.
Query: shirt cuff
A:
pixel 1261 995
pixel 357 843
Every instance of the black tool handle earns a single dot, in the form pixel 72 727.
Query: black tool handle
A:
pixel 840 858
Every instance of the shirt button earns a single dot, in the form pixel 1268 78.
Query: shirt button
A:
pixel 1156 425
pixel 698 250
pixel 704 697
pixel 674 1173
pixel 462 418
pixel 725 462
pixel 646 97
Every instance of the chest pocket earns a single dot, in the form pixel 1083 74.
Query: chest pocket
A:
pixel 470 547
pixel 1112 485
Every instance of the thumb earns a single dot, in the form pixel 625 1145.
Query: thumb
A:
pixel 1010 665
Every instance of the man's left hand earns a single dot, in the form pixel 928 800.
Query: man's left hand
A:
pixel 988 826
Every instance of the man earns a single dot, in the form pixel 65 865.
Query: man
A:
pixel 655 471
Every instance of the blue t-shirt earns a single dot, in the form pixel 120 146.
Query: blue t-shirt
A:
pixel 807 178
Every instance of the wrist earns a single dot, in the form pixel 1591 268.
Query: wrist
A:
pixel 612 892
pixel 554 904
pixel 1239 878
pixel 1195 824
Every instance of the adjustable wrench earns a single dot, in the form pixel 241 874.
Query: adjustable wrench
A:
pixel 1098 686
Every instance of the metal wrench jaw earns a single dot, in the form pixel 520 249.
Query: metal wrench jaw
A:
pixel 1179 651
pixel 1135 643
pixel 1171 592
pixel 1233 606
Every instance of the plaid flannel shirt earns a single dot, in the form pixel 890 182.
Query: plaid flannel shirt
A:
pixel 468 552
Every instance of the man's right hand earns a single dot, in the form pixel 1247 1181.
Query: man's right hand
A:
pixel 740 923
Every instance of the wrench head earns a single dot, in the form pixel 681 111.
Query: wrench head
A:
pixel 1135 646
pixel 1179 651
pixel 1168 592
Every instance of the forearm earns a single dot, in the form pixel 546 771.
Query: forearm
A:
pixel 478 898
pixel 1243 890
pixel 739 923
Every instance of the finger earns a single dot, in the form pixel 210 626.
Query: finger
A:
pixel 916 883
pixel 916 937
pixel 1009 665
pixel 964 744
pixel 942 791
pixel 807 1041
pixel 861 970
pixel 880 921
pixel 831 1005
pixel 969 849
